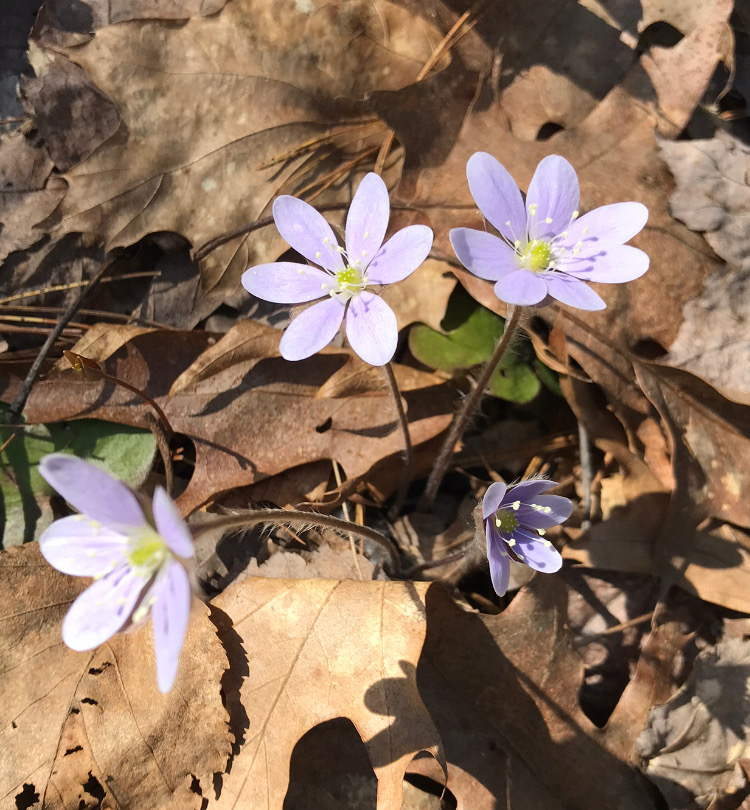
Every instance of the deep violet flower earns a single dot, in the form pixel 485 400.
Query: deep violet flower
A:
pixel 345 276
pixel 138 565
pixel 515 519
pixel 544 251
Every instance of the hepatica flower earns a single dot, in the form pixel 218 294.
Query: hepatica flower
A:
pixel 342 277
pixel 544 250
pixel 515 520
pixel 137 561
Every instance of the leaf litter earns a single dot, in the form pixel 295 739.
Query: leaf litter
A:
pixel 301 98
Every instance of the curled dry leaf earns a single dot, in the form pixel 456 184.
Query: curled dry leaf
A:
pixel 306 651
pixel 513 679
pixel 94 722
pixel 229 397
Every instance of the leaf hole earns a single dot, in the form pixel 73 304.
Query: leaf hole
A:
pixel 325 426
pixel 94 788
pixel 90 701
pixel 28 797
pixel 660 35
pixel 99 670
pixel 73 750
pixel 546 131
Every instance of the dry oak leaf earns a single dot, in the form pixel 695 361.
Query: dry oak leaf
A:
pixel 264 79
pixel 94 722
pixel 306 651
pixel 503 693
pixel 250 413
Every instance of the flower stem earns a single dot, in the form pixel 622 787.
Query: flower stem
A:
pixel 469 406
pixel 283 517
pixel 408 470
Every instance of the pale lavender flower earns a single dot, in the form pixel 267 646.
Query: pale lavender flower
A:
pixel 137 562
pixel 345 276
pixel 545 251
pixel 515 519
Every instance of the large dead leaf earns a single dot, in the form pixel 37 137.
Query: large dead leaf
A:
pixel 306 651
pixel 513 680
pixel 78 727
pixel 230 397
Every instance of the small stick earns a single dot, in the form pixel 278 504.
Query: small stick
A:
pixel 462 417
pixel 345 510
pixel 162 442
pixel 408 471
pixel 586 474
pixel 18 404
pixel 282 517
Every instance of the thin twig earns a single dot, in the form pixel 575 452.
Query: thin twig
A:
pixel 347 517
pixel 18 404
pixel 162 442
pixel 470 403
pixel 425 566
pixel 144 396
pixel 408 471
pixel 282 517
pixel 586 474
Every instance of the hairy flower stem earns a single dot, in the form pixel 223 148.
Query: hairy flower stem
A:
pixel 408 471
pixel 469 406
pixel 285 517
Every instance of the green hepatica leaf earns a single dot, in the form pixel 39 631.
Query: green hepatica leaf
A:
pixel 127 453
pixel 472 333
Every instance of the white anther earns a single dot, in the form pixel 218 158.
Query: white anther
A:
pixel 92 552
pixel 548 220
pixel 318 254
pixel 367 234
pixel 326 240
pixel 585 231
pixel 542 532
pixel 503 553
pixel 516 505
pixel 512 542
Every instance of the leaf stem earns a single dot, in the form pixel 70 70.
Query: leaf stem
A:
pixel 461 419
pixel 283 517
pixel 408 471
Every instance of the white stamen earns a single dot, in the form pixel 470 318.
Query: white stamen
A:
pixel 318 254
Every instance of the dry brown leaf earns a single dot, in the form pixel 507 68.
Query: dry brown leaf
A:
pixel 306 651
pixel 229 397
pixel 28 194
pixel 77 723
pixel 513 680
pixel 265 78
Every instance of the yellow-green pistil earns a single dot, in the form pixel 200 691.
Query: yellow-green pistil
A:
pixel 537 255
pixel 148 552
pixel 505 521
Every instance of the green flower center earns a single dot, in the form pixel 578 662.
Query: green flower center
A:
pixel 350 281
pixel 148 552
pixel 537 255
pixel 505 521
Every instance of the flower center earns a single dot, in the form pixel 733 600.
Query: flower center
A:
pixel 537 255
pixel 148 552
pixel 350 281
pixel 505 521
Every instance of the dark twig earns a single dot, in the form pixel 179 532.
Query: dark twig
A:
pixel 156 427
pixel 586 474
pixel 19 403
pixel 408 471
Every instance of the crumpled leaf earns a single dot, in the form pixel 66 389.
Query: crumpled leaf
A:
pixel 228 397
pixel 712 195
pixel 513 679
pixel 306 651
pixel 28 194
pixel 694 741
pixel 124 452
pixel 93 724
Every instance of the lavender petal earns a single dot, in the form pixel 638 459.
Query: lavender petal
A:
pixel 367 220
pixel 312 329
pixel 170 614
pixel 307 232
pixel 521 287
pixel 286 282
pixel 525 490
pixel 554 192
pixel 171 526
pixel 498 560
pixel 560 509
pixel 371 329
pixel 93 492
pixel 483 254
pixel 493 498
pixel 608 225
pixel 575 293
pixel 401 255
pixel 536 552
pixel 497 195
pixel 102 609
pixel 610 265
pixel 82 547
